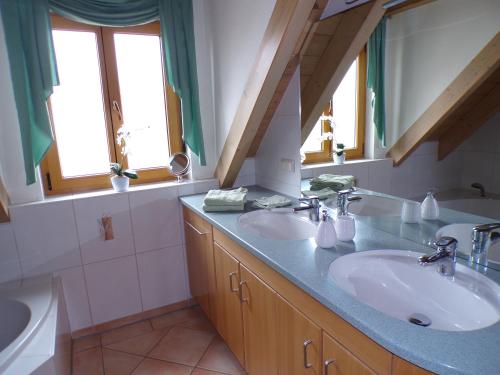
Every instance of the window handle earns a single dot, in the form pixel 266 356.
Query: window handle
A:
pixel 116 108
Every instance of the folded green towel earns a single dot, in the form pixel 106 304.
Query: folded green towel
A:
pixel 332 181
pixel 272 202
pixel 235 197
pixel 321 194
pixel 223 208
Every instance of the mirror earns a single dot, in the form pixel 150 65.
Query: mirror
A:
pixel 178 165
pixel 426 49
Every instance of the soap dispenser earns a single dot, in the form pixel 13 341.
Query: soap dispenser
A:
pixel 430 208
pixel 326 236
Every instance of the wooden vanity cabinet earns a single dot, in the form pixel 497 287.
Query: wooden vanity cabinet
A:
pixel 339 361
pixel 200 261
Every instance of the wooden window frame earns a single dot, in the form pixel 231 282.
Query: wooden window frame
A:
pixel 53 180
pixel 325 154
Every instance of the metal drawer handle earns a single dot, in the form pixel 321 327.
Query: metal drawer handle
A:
pixel 231 283
pixel 196 229
pixel 327 363
pixel 243 300
pixel 306 362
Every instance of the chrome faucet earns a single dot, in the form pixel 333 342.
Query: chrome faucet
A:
pixel 445 256
pixel 313 206
pixel 344 198
pixel 483 236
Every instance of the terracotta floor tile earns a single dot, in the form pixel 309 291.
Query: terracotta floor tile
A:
pixel 202 371
pixel 87 342
pixel 182 345
pixel 126 332
pixel 176 317
pixel 117 363
pixel 218 357
pixel 88 362
pixel 201 324
pixel 139 345
pixel 156 367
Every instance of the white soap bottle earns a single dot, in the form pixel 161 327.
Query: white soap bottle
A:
pixel 430 208
pixel 326 237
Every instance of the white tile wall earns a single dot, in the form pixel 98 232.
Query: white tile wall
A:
pixel 104 280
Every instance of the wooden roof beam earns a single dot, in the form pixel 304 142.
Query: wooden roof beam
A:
pixel 351 34
pixel 468 101
pixel 285 29
pixel 4 203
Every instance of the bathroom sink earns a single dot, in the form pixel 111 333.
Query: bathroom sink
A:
pixel 463 233
pixel 371 205
pixel 278 225
pixel 393 282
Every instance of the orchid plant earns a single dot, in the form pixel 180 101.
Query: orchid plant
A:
pixel 330 136
pixel 122 139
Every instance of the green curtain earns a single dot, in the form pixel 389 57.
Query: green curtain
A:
pixel 376 77
pixel 33 68
pixel 28 37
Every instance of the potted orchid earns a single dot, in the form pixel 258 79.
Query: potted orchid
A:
pixel 339 154
pixel 120 176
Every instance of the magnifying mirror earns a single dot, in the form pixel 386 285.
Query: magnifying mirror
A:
pixel 178 165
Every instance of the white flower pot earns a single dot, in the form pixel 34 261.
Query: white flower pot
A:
pixel 120 183
pixel 339 159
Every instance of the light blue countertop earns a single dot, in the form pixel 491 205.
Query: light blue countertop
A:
pixel 306 266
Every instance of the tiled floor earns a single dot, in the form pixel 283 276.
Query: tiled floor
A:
pixel 180 343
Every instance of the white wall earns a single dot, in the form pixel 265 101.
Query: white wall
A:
pixel 282 141
pixel 237 28
pixel 11 156
pixel 426 48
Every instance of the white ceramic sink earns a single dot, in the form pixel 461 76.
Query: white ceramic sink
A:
pixel 463 233
pixel 393 282
pixel 371 205
pixel 278 225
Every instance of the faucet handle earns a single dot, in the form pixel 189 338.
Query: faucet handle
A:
pixel 446 244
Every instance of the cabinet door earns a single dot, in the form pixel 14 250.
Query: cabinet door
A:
pixel 198 252
pixel 299 342
pixel 229 316
pixel 259 324
pixel 401 367
pixel 339 361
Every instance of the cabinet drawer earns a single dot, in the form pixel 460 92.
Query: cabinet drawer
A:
pixel 339 361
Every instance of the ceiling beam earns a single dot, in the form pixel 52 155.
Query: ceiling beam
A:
pixel 284 30
pixel 352 31
pixel 4 203
pixel 451 113
pixel 407 5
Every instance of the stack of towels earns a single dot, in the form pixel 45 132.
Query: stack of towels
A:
pixel 225 200
pixel 332 181
pixel 272 202
pixel 321 194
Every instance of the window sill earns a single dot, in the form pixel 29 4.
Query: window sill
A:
pixel 347 162
pixel 185 187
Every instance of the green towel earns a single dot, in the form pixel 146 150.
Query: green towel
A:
pixel 235 197
pixel 272 202
pixel 321 194
pixel 332 181
pixel 240 207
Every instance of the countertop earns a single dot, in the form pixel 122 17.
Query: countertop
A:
pixel 306 266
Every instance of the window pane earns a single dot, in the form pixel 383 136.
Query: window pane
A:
pixel 313 141
pixel 140 76
pixel 344 109
pixel 77 106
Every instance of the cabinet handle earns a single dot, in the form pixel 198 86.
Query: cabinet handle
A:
pixel 231 283
pixel 243 300
pixel 306 362
pixel 196 229
pixel 327 363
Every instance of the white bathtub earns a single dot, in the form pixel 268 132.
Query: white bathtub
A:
pixel 471 202
pixel 34 329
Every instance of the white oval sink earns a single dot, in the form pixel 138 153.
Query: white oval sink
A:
pixel 463 233
pixel 277 225
pixel 371 205
pixel 393 282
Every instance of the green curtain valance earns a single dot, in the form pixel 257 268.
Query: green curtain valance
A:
pixel 28 35
pixel 375 79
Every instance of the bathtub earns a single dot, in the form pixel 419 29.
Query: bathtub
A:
pixel 34 328
pixel 471 202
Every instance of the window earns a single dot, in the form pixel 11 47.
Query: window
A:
pixel 109 78
pixel 347 107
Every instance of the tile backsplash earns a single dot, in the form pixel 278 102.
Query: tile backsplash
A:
pixel 142 268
